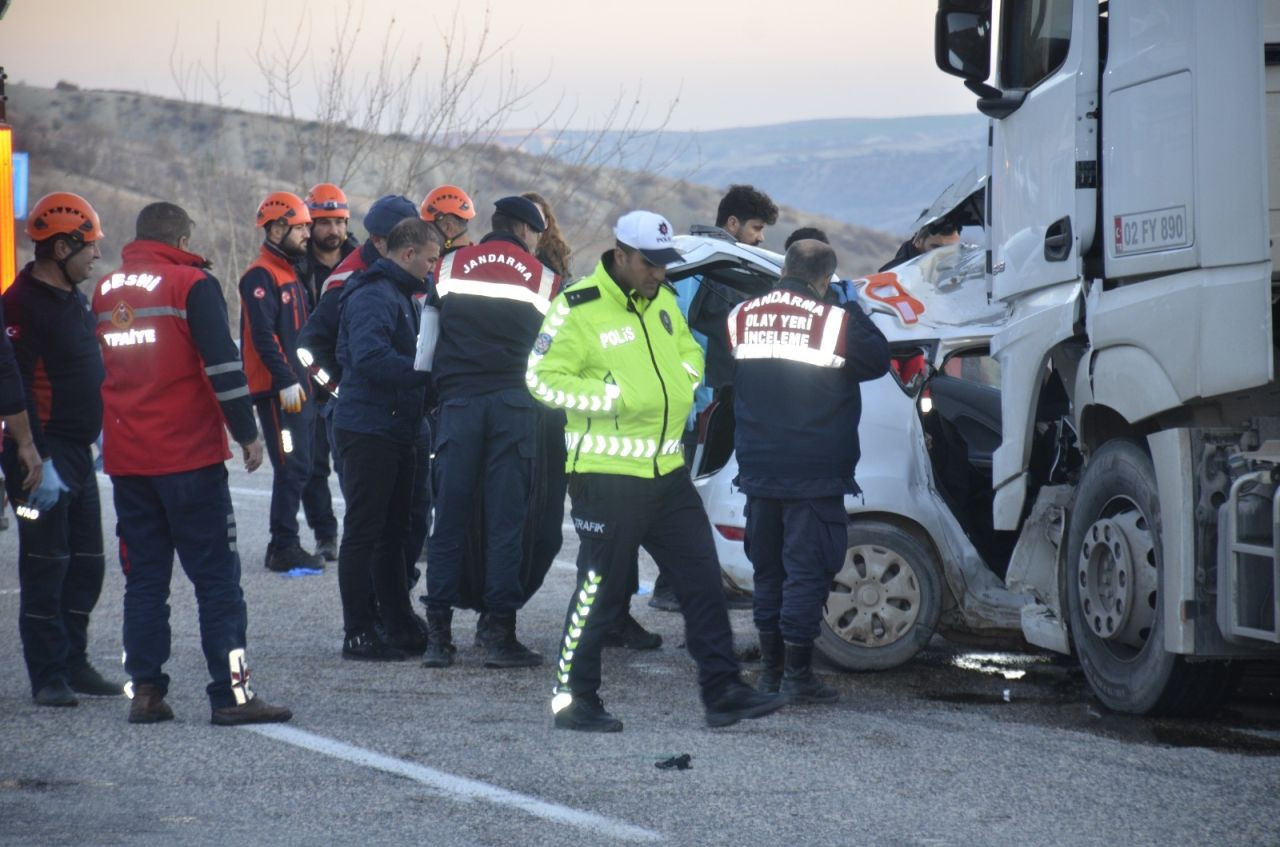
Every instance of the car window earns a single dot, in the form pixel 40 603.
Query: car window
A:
pixel 975 366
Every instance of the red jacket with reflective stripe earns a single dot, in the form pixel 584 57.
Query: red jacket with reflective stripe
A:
pixel 160 414
pixel 273 308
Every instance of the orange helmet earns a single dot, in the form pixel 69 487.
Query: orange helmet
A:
pixel 63 213
pixel 281 205
pixel 447 200
pixel 326 200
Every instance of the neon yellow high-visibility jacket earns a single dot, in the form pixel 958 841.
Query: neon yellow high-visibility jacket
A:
pixel 623 368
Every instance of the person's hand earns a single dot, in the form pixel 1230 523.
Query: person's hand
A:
pixel 292 398
pixel 252 455
pixel 50 489
pixel 29 458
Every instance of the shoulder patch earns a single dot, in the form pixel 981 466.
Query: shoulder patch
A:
pixel 578 296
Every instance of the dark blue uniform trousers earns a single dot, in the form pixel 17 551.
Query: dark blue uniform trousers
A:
pixel 288 439
pixel 795 548
pixel 483 441
pixel 189 513
pixel 60 564
pixel 615 515
pixel 317 502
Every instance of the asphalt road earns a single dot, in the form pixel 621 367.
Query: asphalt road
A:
pixel 958 747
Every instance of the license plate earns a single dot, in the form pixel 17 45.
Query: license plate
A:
pixel 1147 232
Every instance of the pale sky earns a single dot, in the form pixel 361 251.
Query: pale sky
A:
pixel 730 63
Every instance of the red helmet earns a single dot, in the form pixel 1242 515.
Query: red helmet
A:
pixel 326 200
pixel 283 206
pixel 447 200
pixel 63 213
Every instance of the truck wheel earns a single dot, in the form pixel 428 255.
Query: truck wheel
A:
pixel 1114 564
pixel 884 602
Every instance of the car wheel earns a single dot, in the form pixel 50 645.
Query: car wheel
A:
pixel 884 602
pixel 1114 565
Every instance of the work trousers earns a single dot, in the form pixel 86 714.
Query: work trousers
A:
pixel 60 563
pixel 795 548
pixel 377 478
pixel 484 442
pixel 288 437
pixel 317 502
pixel 188 513
pixel 615 515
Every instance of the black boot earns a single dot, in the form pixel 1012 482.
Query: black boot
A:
pixel 628 632
pixel 440 647
pixel 586 713
pixel 504 650
pixel 798 682
pixel 737 701
pixel 771 661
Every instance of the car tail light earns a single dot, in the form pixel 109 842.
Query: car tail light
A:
pixel 733 533
pixel 910 370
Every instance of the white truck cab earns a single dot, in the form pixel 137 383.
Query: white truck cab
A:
pixel 1133 149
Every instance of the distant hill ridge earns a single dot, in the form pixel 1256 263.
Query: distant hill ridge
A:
pixel 873 172
pixel 123 150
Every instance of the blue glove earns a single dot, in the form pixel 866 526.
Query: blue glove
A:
pixel 50 490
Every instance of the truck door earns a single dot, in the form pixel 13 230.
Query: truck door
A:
pixel 1044 152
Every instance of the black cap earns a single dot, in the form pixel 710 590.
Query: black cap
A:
pixel 524 210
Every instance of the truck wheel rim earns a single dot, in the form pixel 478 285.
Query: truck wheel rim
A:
pixel 874 599
pixel 1116 574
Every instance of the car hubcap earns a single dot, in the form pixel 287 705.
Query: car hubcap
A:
pixel 1117 579
pixel 875 599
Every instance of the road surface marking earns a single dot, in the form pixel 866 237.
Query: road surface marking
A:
pixel 459 787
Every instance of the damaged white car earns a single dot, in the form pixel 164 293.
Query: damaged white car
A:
pixel 922 555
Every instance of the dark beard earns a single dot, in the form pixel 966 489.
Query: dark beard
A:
pixel 328 244
pixel 290 250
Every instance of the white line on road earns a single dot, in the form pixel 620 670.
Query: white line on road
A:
pixel 460 787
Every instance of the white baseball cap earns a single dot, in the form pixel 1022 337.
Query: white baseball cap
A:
pixel 650 233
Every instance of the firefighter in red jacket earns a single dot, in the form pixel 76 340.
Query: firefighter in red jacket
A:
pixel 273 308
pixel 173 377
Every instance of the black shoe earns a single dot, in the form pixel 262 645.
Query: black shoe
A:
pixel 665 599
pixel 772 658
pixel 586 713
pixel 440 649
pixel 56 693
pixel 413 643
pixel 737 701
pixel 504 651
pixel 630 634
pixel 255 711
pixel 327 549
pixel 148 705
pixel 799 685
pixel 83 679
pixel 369 647
pixel 285 559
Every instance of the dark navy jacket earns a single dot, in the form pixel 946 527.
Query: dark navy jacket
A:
pixel 319 337
pixel 493 297
pixel 12 398
pixel 382 394
pixel 797 402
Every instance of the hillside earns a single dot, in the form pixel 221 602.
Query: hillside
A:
pixel 872 172
pixel 122 150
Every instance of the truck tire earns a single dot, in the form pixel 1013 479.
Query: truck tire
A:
pixel 1114 564
pixel 884 602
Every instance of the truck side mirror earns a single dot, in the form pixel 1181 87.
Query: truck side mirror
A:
pixel 962 38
